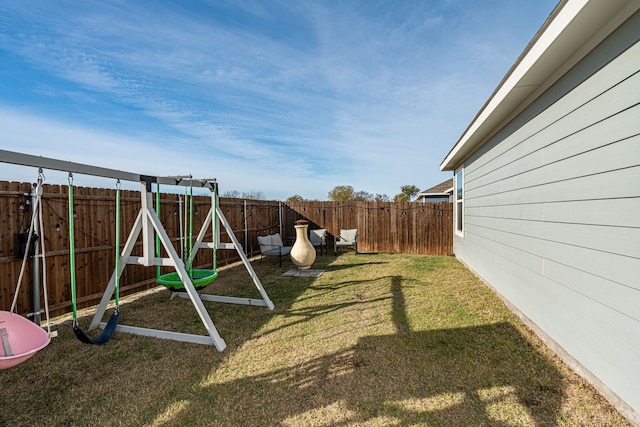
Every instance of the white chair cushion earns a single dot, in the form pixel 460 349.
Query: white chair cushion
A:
pixel 349 235
pixel 317 237
pixel 265 243
pixel 276 240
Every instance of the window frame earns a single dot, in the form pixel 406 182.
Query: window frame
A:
pixel 459 225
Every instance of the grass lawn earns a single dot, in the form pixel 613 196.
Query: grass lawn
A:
pixel 377 340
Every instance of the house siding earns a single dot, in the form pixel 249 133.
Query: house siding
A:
pixel 552 213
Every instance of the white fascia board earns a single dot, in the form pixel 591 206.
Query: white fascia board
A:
pixel 540 64
pixel 440 193
pixel 433 194
pixel 546 36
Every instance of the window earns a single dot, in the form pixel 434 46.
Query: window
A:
pixel 459 203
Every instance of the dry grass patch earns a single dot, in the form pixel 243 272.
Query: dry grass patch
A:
pixel 376 340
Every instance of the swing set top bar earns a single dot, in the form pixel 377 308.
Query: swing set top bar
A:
pixel 80 168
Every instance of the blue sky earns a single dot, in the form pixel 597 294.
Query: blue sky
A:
pixel 281 97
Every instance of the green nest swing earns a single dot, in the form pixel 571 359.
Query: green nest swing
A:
pixel 200 278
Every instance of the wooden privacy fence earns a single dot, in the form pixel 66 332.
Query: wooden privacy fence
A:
pixel 383 227
pixel 414 228
pixel 95 239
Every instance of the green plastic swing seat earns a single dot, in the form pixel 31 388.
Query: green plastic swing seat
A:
pixel 200 278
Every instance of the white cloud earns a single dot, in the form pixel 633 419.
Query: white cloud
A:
pixel 293 98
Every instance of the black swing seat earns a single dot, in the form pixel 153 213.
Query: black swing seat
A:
pixel 104 336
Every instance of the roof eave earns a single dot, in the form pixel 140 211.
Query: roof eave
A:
pixel 574 26
pixel 433 194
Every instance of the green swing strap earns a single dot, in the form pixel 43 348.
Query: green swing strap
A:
pixel 72 253
pixel 110 328
pixel 185 223
pixel 157 237
pixel 200 278
pixel 190 261
pixel 214 222
pixel 117 263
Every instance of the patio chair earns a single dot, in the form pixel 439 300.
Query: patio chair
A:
pixel 318 238
pixel 346 238
pixel 272 245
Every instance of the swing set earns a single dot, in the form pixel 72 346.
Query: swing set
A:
pixel 183 282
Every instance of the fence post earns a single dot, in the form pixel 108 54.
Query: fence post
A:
pixel 280 217
pixel 246 231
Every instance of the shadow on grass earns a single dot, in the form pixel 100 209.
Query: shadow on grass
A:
pixel 477 375
pixel 441 377
pixel 133 380
pixel 457 376
pixel 338 267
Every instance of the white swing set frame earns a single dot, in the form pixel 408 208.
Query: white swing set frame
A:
pixel 148 224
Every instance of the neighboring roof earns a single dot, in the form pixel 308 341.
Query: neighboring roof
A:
pixel 445 188
pixel 574 28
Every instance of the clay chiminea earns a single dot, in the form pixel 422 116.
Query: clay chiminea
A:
pixel 303 254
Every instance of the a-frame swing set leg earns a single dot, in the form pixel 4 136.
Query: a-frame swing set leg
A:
pixel 235 244
pixel 147 217
pixel 245 260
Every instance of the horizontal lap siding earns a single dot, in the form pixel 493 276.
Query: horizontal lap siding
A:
pixel 552 215
pixel 575 321
pixel 588 212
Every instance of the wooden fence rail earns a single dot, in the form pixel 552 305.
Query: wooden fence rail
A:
pixel 383 227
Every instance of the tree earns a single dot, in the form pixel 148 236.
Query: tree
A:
pixel 362 196
pixel 407 192
pixel 295 199
pixel 232 194
pixel 341 193
pixel 235 194
pixel 254 195
pixel 346 193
